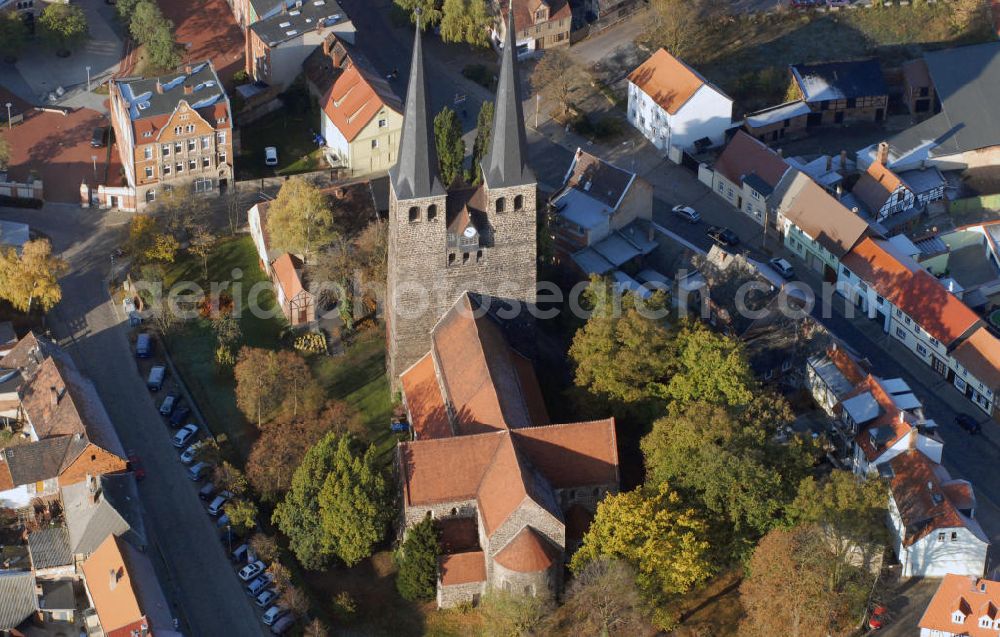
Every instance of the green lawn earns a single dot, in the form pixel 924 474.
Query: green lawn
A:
pixel 193 345
pixel 291 133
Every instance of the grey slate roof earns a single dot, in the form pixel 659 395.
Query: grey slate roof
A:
pixel 42 459
pixel 601 180
pixel 145 101
pixel 57 595
pixel 505 164
pixel 117 511
pixel 17 598
pixel 50 548
pixel 281 27
pixel 967 81
pixel 415 174
pixel 840 80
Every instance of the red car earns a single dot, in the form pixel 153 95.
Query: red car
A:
pixel 136 466
pixel 878 618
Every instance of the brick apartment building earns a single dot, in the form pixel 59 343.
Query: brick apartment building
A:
pixel 171 131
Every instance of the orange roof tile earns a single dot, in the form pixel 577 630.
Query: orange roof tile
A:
pixel 915 483
pixel 975 596
pixel 849 367
pixel 353 101
pixel 423 400
pixel 462 568
pixel 873 262
pixel 980 354
pixel 451 469
pixel 286 271
pixel 528 552
pixel 875 186
pixel 111 587
pixel 507 483
pixel 524 12
pixel 745 155
pixel 670 82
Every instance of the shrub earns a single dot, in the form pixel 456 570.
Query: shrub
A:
pixel 311 342
pixel 240 76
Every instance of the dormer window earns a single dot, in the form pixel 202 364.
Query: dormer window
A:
pixel 985 622
pixel 957 617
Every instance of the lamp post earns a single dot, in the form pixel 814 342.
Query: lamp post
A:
pixel 88 79
pixel 93 158
pixel 9 125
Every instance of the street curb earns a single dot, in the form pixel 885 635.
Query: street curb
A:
pixel 183 387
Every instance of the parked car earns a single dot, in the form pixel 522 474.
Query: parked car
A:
pixel 220 501
pixel 180 414
pixel 782 267
pixel 199 470
pixel 879 617
pixel 185 434
pixel 99 137
pixel 168 404
pixel 398 426
pixel 273 614
pixel 723 236
pixel 144 345
pixel 283 625
pixel 135 465
pixel 240 553
pixel 223 521
pixel 687 213
pixel 258 585
pixel 207 491
pixel 187 456
pixel 968 423
pixel 264 599
pixel 270 156
pixel 156 376
pixel 252 570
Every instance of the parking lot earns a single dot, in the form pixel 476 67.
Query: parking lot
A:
pixel 187 434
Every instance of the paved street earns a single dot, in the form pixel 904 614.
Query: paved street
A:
pixel 196 574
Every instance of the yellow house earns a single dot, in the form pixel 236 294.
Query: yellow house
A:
pixel 361 120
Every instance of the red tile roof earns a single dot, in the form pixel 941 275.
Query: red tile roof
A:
pixel 508 483
pixel 423 400
pixel 354 99
pixel 286 271
pixel 451 469
pixel 849 367
pixel 667 80
pixel 875 186
pixel 462 568
pixel 889 417
pixel 528 552
pixel 745 155
pixel 973 595
pixel 911 289
pixel 915 482
pixel 524 12
pixel 980 354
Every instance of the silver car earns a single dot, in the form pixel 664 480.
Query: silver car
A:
pixel 185 434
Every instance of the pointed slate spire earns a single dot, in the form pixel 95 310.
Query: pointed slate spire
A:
pixel 506 162
pixel 415 173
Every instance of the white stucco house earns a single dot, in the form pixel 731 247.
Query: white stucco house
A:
pixel 931 519
pixel 672 105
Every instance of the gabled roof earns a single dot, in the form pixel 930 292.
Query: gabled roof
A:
pixel 524 11
pixel 357 94
pixel 286 269
pixel 43 459
pixel 111 588
pixel 967 81
pixel 599 179
pixel 17 598
pixel 30 351
pixel 451 469
pixel 668 80
pixel 423 400
pixel 887 424
pixel 509 481
pixel 980 597
pixel 980 354
pixel 875 186
pixel 839 80
pixel 745 156
pixel 819 215
pixel 917 487
pixel 95 510
pixel 528 552
pixel 462 568
pixel 880 265
pixel 50 548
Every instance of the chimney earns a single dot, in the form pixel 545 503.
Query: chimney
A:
pixel 651 233
pixel 840 191
pixel 188 89
pixel 855 210
pixel 829 163
pixel 159 87
pixel 843 160
pixel 882 156
pixel 780 152
pixel 188 69
pixel 54 395
pixel 902 415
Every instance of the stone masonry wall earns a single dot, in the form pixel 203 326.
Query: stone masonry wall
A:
pixel 423 285
pixel 528 514
pixel 539 584
pixel 440 511
pixel 451 596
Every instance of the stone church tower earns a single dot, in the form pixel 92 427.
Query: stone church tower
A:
pixel 445 240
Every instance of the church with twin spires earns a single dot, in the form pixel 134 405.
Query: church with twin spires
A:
pixel 448 239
